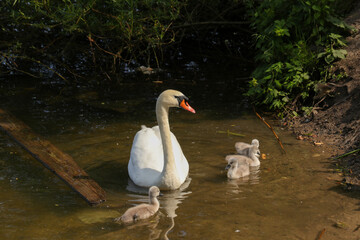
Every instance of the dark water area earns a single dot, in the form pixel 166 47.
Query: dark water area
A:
pixel 288 197
pixel 217 86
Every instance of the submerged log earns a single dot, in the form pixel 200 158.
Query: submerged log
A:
pixel 52 158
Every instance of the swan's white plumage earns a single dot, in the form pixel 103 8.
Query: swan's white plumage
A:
pixel 156 158
pixel 147 158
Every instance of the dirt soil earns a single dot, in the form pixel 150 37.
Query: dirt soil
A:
pixel 335 121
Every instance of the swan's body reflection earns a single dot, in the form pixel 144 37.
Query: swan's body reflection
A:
pixel 169 202
pixel 170 199
pixel 151 224
pixel 159 225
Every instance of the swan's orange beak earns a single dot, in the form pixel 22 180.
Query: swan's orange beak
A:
pixel 185 105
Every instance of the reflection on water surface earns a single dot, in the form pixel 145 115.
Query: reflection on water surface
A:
pixel 286 198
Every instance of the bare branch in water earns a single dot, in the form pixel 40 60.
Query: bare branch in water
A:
pixel 320 234
pixel 231 133
pixel 271 128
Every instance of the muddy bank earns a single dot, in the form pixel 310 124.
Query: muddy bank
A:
pixel 335 121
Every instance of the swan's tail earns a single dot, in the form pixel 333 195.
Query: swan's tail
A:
pixel 143 127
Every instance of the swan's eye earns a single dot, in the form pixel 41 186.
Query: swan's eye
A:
pixel 178 98
pixel 181 98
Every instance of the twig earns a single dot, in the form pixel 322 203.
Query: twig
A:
pixel 320 234
pixel 38 62
pixel 49 68
pixel 316 104
pixel 357 228
pixel 271 128
pixel 8 63
pixel 231 133
pixel 214 23
pixel 117 55
pixel 106 14
pixel 27 73
pixel 346 154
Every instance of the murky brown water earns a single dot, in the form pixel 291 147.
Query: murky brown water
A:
pixel 289 197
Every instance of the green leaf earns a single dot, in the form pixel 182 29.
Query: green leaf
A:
pixel 316 8
pixel 285 99
pixel 341 53
pixel 277 83
pixel 337 22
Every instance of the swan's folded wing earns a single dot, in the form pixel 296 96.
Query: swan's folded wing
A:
pixel 146 151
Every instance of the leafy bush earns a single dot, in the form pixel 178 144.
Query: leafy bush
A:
pixel 296 41
pixel 77 37
pixel 69 36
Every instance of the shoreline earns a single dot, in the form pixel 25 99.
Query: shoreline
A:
pixel 335 121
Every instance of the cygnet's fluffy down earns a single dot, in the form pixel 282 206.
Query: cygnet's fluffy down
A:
pixel 251 159
pixel 144 210
pixel 247 149
pixel 237 166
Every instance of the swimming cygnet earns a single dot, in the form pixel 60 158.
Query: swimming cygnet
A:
pixel 244 148
pixel 144 210
pixel 247 149
pixel 251 158
pixel 237 166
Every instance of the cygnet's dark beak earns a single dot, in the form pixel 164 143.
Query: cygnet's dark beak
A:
pixel 161 194
pixel 227 167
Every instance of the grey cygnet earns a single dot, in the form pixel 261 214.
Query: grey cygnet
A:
pixel 144 210
pixel 248 149
pixel 237 166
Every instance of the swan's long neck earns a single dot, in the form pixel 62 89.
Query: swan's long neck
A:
pixel 169 177
pixel 154 201
pixel 255 160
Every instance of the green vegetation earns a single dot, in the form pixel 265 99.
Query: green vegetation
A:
pixel 68 36
pixel 296 42
pixel 75 37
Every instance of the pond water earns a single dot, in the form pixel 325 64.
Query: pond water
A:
pixel 289 197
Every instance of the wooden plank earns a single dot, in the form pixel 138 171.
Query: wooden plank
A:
pixel 52 158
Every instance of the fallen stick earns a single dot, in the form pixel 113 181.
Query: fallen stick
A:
pixel 231 133
pixel 269 126
pixel 346 154
pixel 320 234
pixel 52 158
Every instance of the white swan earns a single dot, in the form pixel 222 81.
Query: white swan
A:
pixel 156 158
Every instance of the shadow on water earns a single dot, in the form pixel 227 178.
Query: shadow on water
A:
pixel 111 174
pixel 341 189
